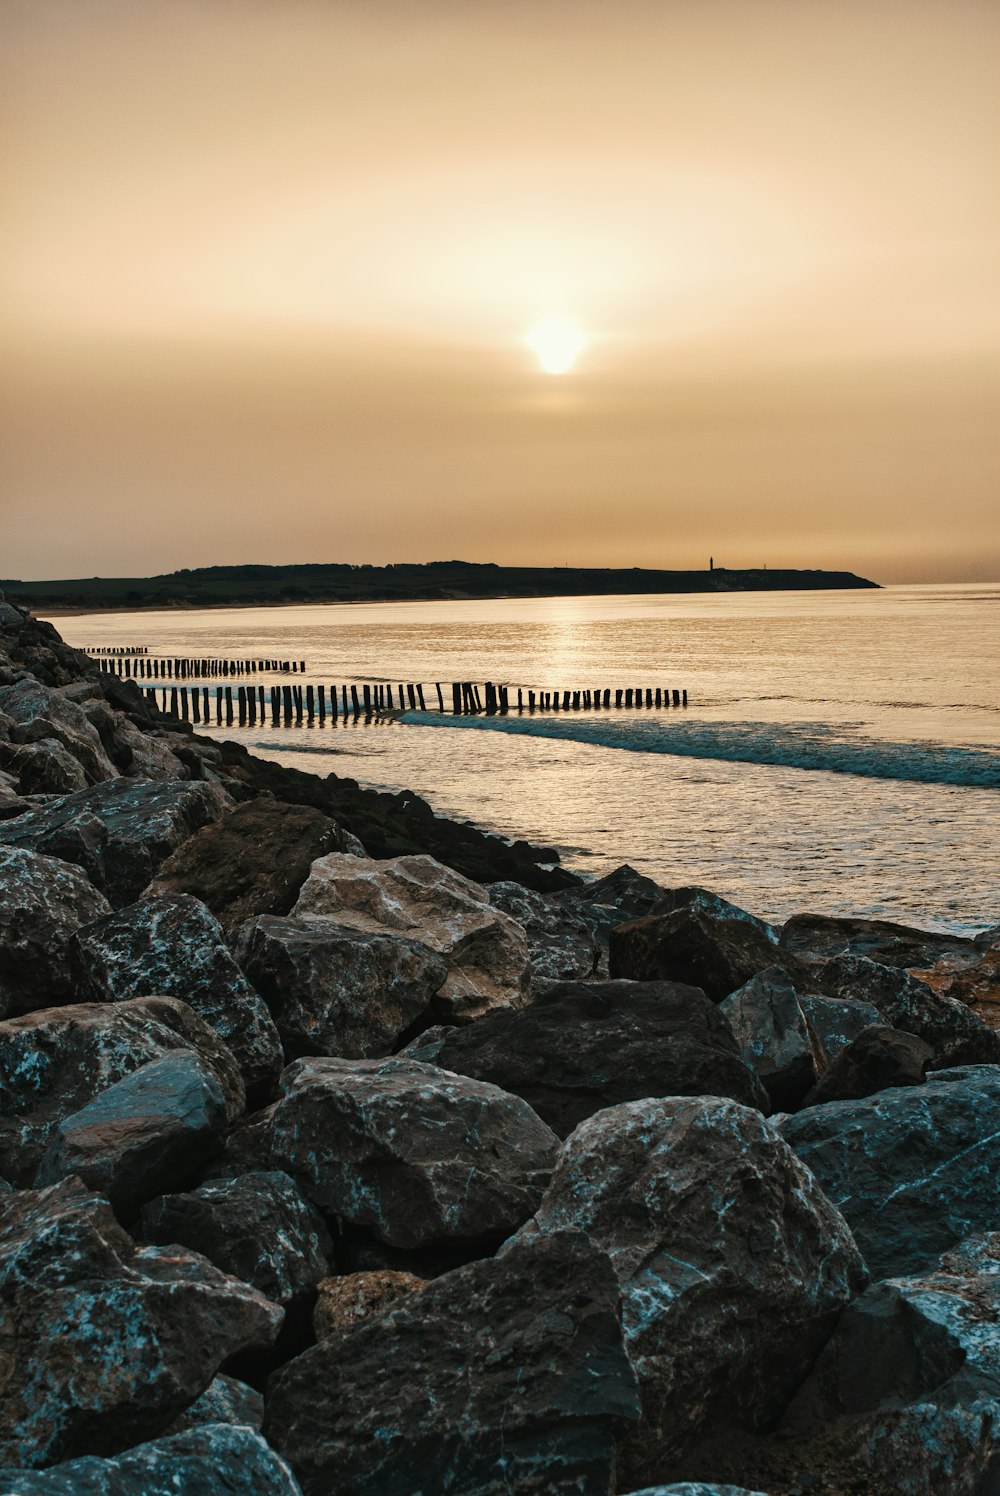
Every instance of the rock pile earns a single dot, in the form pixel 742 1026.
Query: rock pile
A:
pixel 342 1152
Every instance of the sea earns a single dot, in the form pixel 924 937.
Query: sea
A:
pixel 839 753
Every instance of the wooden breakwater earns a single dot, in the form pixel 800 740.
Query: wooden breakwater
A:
pixel 132 666
pixel 285 705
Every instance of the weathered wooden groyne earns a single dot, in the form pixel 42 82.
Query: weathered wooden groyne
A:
pixel 132 666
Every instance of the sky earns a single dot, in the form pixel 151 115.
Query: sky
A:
pixel 270 272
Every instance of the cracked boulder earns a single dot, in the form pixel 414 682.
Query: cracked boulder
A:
pixel 775 1037
pixel 104 1344
pixel 43 902
pixel 40 713
pixel 335 990
pixel 505 1375
pixel 584 1046
pixel 560 943
pixel 692 944
pixel 836 1021
pixel 173 947
pixel 485 951
pixel 732 1263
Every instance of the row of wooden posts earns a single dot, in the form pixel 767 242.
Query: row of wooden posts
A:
pixel 117 649
pixel 252 704
pixel 145 667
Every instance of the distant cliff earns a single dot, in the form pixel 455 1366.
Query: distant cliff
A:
pixel 217 586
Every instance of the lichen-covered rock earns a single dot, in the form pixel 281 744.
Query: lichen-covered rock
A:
pixel 118 832
pixel 692 945
pixel 836 1021
pixel 40 713
pixel 211 1460
pixel 774 1037
pixel 346 1301
pixel 733 1265
pixel 505 1375
pixel 584 1046
pixel 104 1344
pixel 913 1169
pixel 414 1153
pixel 43 768
pixel 134 751
pixel 54 1062
pixel 258 1227
pixel 173 947
pixel 149 1132
pixel 224 1400
pixel 253 860
pixel 485 951
pixel 560 943
pixel 878 1058
pixel 43 901
pixel 335 990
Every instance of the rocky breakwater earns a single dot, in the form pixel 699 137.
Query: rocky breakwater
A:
pixel 337 1159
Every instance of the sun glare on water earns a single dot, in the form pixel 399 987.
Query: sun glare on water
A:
pixel 557 344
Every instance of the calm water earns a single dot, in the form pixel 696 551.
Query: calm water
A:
pixel 840 753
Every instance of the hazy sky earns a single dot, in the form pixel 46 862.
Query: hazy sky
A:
pixel 269 269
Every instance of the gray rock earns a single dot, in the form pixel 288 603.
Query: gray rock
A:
pixel 56 1061
pixel 620 895
pixel 43 901
pixel 691 945
pixel 560 943
pixel 214 1460
pixel 733 1265
pixel 878 1058
pixel 696 1488
pixel 136 752
pixel 836 1021
pixel 43 768
pixel 413 1152
pixel 334 990
pixel 821 937
pixel 42 713
pixel 173 947
pixel 427 1047
pixel 504 1376
pixel 224 1400
pixel 774 1037
pixel 105 1344
pixel 913 1170
pixel 691 896
pixel 258 1227
pixel 118 832
pixel 149 1132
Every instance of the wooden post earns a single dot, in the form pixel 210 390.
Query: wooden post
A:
pixel 411 697
pixel 684 697
pixel 368 698
pixel 677 698
pixel 229 705
pixel 321 702
pixel 420 697
pixel 437 685
pixel 456 697
pixel 241 703
pixel 657 696
pixel 286 702
pixel 275 705
pixel 354 700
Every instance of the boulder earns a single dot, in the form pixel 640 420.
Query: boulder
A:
pixel 43 901
pixel 732 1263
pixel 774 1037
pixel 54 1062
pixel 118 832
pixel 690 945
pixel 149 1132
pixel 258 1227
pixel 560 943
pixel 344 1302
pixel 224 1400
pixel 878 1058
pixel 104 1344
pixel 252 861
pixel 912 1169
pixel 691 896
pixel 696 1488
pixel 43 768
pixel 173 947
pixel 41 713
pixel 335 990
pixel 412 1152
pixel 584 1046
pixel 836 1021
pixel 620 895
pixel 485 951
pixel 821 937
pixel 214 1460
pixel 138 752
pixel 505 1375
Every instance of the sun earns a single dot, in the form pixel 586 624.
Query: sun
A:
pixel 556 343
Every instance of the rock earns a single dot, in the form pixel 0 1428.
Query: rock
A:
pixel 258 1227
pixel 43 901
pixel 118 832
pixel 149 1132
pixel 427 1046
pixel 224 1400
pixel 252 861
pixel 733 1265
pixel 43 768
pixel 583 1046
pixel 173 947
pixel 821 937
pixel 485 951
pixel 335 990
pixel 134 751
pixel 774 1037
pixel 41 713
pixel 214 1460
pixel 696 1488
pixel 505 1375
pixel 976 986
pixel 414 1153
pixel 54 1062
pixel 692 896
pixel 912 1169
pixel 619 896
pixel 836 1021
pixel 104 1344
pixel 876 1059
pixel 560 944
pixel 693 946
pixel 911 1378
pixel 345 1302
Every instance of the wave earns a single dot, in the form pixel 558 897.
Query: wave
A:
pixel 797 745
